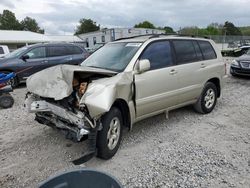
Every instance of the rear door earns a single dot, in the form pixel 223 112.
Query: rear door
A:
pixel 58 55
pixel 192 69
pixel 156 89
pixel 78 54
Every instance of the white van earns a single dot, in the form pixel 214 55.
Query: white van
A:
pixel 4 50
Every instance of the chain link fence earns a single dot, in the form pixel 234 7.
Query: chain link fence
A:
pixel 230 42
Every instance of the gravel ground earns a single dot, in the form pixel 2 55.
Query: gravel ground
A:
pixel 187 150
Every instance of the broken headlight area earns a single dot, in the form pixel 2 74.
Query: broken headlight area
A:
pixel 66 114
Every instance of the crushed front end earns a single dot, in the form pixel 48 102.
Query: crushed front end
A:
pixel 73 99
pixel 62 114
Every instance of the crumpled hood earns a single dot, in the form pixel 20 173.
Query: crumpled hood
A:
pixel 56 82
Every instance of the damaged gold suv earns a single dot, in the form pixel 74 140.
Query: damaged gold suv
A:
pixel 123 82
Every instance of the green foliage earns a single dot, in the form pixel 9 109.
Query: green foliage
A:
pixel 86 25
pixel 230 29
pixel 145 24
pixel 168 30
pixel 30 24
pixel 8 21
pixel 215 29
pixel 245 30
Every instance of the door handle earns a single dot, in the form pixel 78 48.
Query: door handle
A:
pixel 173 71
pixel 203 65
pixel 45 61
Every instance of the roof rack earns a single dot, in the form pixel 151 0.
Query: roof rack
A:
pixel 134 37
pixel 150 36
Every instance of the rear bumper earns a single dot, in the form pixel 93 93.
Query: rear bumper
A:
pixel 239 71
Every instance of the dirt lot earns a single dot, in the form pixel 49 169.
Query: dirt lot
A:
pixel 188 150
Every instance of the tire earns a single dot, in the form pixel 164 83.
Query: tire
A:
pixel 111 128
pixel 6 100
pixel 207 99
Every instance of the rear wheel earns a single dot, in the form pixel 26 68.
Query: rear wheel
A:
pixel 6 100
pixel 109 138
pixel 208 99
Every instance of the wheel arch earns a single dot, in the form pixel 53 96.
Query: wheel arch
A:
pixel 122 105
pixel 216 82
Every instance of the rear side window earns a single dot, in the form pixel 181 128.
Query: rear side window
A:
pixel 207 50
pixel 159 54
pixel 57 51
pixel 185 51
pixel 1 50
pixel 74 50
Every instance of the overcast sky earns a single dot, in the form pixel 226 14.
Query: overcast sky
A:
pixel 62 16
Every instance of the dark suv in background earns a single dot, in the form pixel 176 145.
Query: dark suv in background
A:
pixel 28 60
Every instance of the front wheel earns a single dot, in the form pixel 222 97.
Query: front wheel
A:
pixel 208 99
pixel 109 138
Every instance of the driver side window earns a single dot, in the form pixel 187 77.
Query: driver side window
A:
pixel 36 53
pixel 159 55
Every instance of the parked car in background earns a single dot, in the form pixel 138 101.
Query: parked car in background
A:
pixel 28 60
pixel 4 50
pixel 124 82
pixel 241 65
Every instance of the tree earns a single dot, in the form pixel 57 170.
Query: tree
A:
pixel 145 24
pixel 230 29
pixel 8 21
pixel 190 31
pixel 86 25
pixel 30 24
pixel 168 30
pixel 245 30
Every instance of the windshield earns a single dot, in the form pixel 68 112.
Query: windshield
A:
pixel 16 52
pixel 114 56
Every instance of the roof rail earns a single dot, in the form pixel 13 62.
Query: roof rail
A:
pixel 134 37
pixel 150 36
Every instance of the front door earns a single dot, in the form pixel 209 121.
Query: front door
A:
pixel 156 89
pixel 35 62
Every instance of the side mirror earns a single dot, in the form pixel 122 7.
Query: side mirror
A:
pixel 143 65
pixel 24 57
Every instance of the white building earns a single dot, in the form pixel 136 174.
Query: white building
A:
pixel 97 38
pixel 16 39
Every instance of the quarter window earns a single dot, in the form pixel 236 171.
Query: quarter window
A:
pixel 159 55
pixel 37 53
pixel 207 50
pixel 74 50
pixel 185 51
